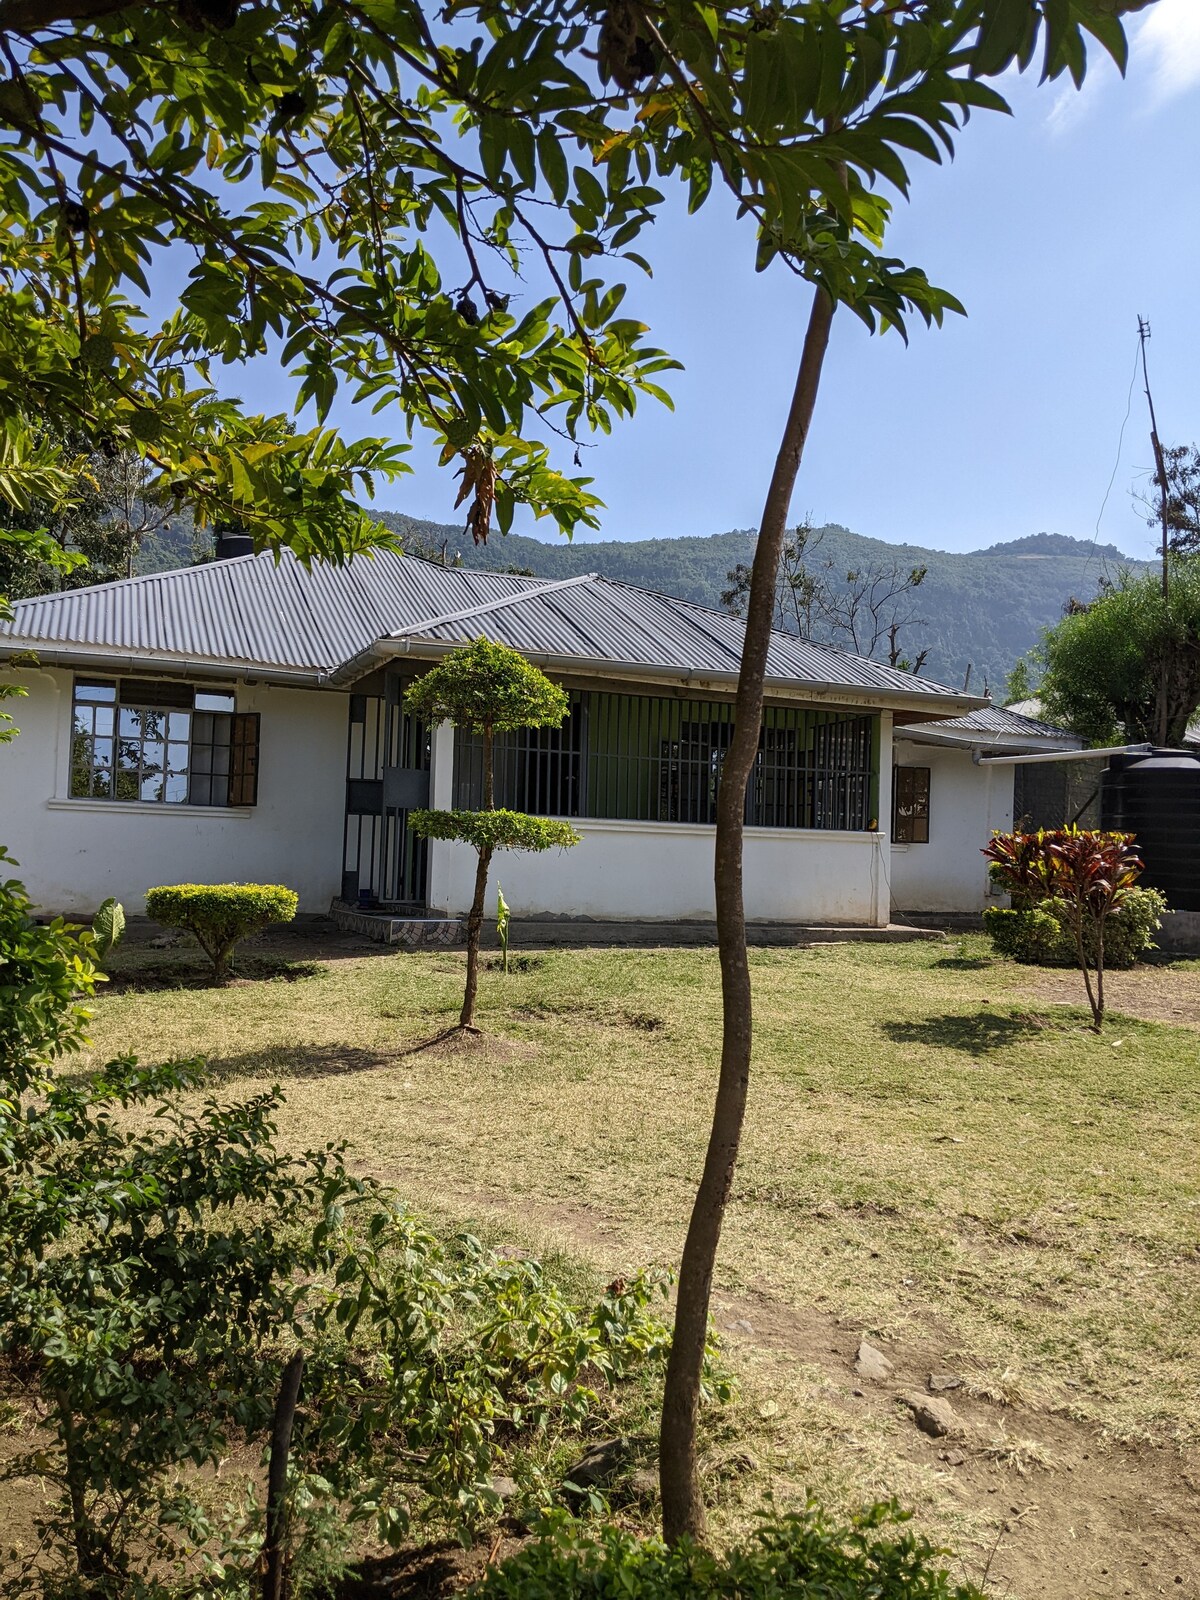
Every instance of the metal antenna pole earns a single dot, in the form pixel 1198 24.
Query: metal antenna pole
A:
pixel 1161 471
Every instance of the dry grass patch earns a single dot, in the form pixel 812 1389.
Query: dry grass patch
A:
pixel 930 1154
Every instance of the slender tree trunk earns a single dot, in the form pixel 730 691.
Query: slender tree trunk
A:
pixel 466 1017
pixel 81 1532
pixel 474 930
pixel 1081 948
pixel 274 1551
pixel 683 1505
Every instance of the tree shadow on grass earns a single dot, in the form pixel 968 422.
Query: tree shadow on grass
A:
pixel 283 1062
pixel 964 963
pixel 975 1034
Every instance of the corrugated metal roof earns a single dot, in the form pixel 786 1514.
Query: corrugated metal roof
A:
pixel 253 612
pixel 1006 722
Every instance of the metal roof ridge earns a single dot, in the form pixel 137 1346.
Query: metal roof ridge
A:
pixel 488 606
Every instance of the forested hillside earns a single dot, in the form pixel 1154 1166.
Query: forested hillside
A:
pixel 980 610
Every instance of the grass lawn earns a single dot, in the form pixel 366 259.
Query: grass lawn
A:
pixel 939 1154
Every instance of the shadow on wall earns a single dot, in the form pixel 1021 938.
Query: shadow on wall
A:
pixel 975 1034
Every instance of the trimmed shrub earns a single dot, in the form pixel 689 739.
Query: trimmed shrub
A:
pixel 805 1554
pixel 494 830
pixel 1028 935
pixel 220 915
pixel 1042 936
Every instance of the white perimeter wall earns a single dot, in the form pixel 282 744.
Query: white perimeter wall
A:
pixel 72 854
pixel 647 871
pixel 966 803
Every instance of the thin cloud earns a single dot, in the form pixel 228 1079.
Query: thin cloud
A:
pixel 1164 63
pixel 1167 50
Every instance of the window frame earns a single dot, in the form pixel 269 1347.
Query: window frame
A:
pixel 140 745
pixel 911 827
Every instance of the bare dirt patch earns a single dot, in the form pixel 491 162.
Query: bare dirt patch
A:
pixel 1054 1508
pixel 1162 992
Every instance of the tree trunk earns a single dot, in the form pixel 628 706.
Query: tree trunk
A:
pixel 683 1505
pixel 466 1017
pixel 274 1551
pixel 76 1474
pixel 1081 951
pixel 474 930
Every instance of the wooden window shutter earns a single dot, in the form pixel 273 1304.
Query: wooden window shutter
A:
pixel 243 759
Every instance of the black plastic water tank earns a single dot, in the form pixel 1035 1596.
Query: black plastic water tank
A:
pixel 1156 796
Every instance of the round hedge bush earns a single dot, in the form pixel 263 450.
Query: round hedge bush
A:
pixel 1041 936
pixel 220 915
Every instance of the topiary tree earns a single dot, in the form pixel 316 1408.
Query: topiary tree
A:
pixel 220 915
pixel 487 689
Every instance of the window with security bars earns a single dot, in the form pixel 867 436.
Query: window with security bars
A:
pixel 647 758
pixel 910 805
pixel 163 743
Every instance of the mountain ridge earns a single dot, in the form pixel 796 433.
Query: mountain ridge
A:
pixel 980 609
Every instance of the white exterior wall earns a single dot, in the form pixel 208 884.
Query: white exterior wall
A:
pixel 652 871
pixel 966 803
pixel 72 854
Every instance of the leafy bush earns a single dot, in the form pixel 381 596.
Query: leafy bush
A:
pixel 1041 935
pixel 220 915
pixel 487 688
pixel 1029 935
pixel 803 1554
pixel 163 1269
pixel 150 1276
pixel 44 972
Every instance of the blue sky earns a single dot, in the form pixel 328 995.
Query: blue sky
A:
pixel 1056 228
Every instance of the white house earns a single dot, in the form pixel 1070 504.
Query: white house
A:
pixel 951 794
pixel 244 721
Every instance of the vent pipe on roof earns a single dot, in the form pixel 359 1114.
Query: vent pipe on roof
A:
pixel 234 544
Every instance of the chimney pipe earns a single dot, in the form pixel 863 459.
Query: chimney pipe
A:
pixel 234 544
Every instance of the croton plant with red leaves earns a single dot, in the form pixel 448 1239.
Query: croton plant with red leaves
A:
pixel 1088 872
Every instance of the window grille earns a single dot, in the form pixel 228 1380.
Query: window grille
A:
pixel 644 758
pixel 163 743
pixel 910 805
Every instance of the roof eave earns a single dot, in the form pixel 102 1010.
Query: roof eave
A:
pixel 934 705
pixel 98 658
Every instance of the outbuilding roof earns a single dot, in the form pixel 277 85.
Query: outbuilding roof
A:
pixel 1003 727
pixel 329 625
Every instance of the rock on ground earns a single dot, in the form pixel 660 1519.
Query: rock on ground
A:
pixel 872 1363
pixel 934 1417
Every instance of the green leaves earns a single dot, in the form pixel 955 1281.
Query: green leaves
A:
pixel 1107 663
pixel 487 687
pixel 872 1552
pixel 376 196
pixel 108 927
pixel 494 830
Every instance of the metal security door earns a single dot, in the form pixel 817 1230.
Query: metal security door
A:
pixel 387 776
pixel 403 856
